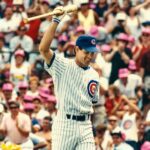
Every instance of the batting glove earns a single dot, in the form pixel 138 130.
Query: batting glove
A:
pixel 61 13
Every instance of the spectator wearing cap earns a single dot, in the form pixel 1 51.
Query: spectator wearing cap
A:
pixel 119 56
pixel 118 140
pixel 79 31
pixel 39 111
pixel 26 99
pixel 33 86
pixel 46 131
pixel 131 42
pixel 19 124
pixel 8 25
pixel 127 82
pixel 133 72
pixel 9 94
pixel 22 90
pixel 100 33
pixel 50 86
pixel 143 46
pixel 19 68
pixel 69 50
pixel 121 25
pixel 62 40
pixel 50 105
pixel 28 109
pixel 21 40
pixel 18 11
pixel 103 64
pixel 45 6
pixel 86 16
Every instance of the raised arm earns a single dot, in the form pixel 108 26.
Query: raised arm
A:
pixel 44 47
pixel 110 56
pixel 138 7
pixel 131 105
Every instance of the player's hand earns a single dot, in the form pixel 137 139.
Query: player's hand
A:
pixel 61 13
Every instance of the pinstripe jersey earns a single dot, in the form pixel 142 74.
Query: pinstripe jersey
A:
pixel 75 88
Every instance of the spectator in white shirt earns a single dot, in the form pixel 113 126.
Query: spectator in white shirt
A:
pixel 144 10
pixel 21 40
pixel 8 25
pixel 19 11
pixel 20 69
pixel 133 73
pixel 118 140
pixel 105 49
pixel 126 83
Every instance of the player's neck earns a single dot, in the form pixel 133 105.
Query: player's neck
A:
pixel 81 65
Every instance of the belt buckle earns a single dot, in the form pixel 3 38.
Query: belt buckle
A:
pixel 82 117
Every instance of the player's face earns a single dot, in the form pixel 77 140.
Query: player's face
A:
pixel 84 58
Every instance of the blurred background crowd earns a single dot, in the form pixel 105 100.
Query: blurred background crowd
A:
pixel 28 104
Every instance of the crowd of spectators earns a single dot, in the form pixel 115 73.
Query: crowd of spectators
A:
pixel 121 118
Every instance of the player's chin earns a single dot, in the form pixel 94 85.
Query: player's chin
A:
pixel 87 63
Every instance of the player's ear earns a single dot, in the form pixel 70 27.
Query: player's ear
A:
pixel 76 48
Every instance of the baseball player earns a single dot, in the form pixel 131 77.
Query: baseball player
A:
pixel 76 88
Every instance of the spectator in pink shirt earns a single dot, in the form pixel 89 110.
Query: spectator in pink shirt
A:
pixel 18 127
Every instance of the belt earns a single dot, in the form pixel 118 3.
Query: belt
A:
pixel 99 105
pixel 78 118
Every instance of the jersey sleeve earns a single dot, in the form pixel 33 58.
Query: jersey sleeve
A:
pixel 57 65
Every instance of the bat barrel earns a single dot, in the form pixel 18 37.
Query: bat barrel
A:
pixel 67 9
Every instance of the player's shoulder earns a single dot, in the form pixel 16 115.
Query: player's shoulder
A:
pixel 60 56
pixel 93 72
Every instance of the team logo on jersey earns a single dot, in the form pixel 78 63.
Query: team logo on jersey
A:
pixel 92 88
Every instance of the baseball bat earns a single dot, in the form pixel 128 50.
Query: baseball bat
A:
pixel 67 9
